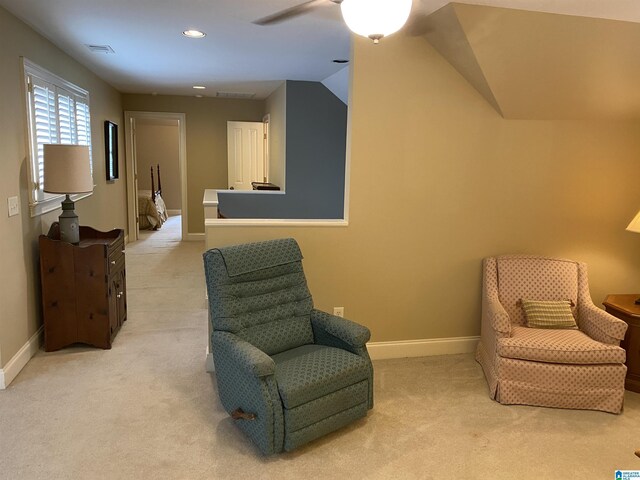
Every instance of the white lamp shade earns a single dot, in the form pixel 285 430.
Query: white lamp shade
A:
pixel 67 169
pixel 375 18
pixel 634 226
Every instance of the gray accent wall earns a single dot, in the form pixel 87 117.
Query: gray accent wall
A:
pixel 316 123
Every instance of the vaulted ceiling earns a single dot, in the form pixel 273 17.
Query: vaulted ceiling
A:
pixel 533 65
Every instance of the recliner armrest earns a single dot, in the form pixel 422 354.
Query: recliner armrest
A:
pixel 600 325
pixel 349 332
pixel 241 353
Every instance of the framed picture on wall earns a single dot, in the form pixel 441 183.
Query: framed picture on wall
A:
pixel 111 150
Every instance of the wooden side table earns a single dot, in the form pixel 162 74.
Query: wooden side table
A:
pixel 84 291
pixel 624 308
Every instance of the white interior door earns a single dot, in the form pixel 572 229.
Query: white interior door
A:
pixel 245 143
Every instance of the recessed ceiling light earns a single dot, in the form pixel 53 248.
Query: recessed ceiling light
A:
pixel 340 60
pixel 194 34
pixel 199 87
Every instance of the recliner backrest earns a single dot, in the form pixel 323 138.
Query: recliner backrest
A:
pixel 259 292
pixel 534 278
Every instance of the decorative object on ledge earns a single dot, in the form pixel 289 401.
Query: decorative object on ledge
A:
pixel 111 150
pixel 264 186
pixel 67 170
pixel 84 294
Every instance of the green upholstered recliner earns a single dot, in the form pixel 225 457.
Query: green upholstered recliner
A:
pixel 286 373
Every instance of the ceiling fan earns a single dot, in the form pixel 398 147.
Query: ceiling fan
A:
pixel 370 18
pixel 288 13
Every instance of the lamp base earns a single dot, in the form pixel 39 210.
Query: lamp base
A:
pixel 69 225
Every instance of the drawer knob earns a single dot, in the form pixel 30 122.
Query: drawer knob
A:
pixel 113 262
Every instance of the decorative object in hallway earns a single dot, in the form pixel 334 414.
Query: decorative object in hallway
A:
pixel 84 294
pixel 67 170
pixel 286 373
pixel 374 19
pixel 111 150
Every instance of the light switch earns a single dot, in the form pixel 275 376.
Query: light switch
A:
pixel 12 203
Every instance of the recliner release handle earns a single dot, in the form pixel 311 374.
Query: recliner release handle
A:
pixel 239 414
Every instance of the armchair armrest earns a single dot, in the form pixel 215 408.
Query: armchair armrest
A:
pixel 600 325
pixel 351 333
pixel 243 355
pixel 496 316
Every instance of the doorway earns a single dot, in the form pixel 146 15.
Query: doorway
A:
pixel 246 154
pixel 141 128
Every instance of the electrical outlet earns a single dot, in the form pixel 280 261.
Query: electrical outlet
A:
pixel 338 311
pixel 12 204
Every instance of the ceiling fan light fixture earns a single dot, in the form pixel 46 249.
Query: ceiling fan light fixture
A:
pixel 375 19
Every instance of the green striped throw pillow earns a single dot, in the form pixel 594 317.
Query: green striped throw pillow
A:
pixel 549 314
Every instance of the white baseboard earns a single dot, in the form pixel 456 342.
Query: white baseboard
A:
pixel 20 359
pixel 422 348
pixel 194 237
pixel 406 348
pixel 174 213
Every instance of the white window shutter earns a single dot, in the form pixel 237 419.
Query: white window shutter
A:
pixel 43 117
pixel 58 113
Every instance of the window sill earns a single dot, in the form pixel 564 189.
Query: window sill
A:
pixel 51 204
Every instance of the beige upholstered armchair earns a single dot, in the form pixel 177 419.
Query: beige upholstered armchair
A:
pixel 568 368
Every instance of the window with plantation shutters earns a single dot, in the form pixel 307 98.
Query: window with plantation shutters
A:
pixel 58 112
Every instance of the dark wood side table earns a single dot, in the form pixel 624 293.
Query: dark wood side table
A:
pixel 624 308
pixel 84 292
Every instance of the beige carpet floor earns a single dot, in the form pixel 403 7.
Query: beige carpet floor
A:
pixel 148 410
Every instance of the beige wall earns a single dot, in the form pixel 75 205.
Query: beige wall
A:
pixel 439 180
pixel 276 107
pixel 20 315
pixel 206 125
pixel 159 145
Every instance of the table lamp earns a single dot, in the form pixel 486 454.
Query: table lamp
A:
pixel 634 226
pixel 67 170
